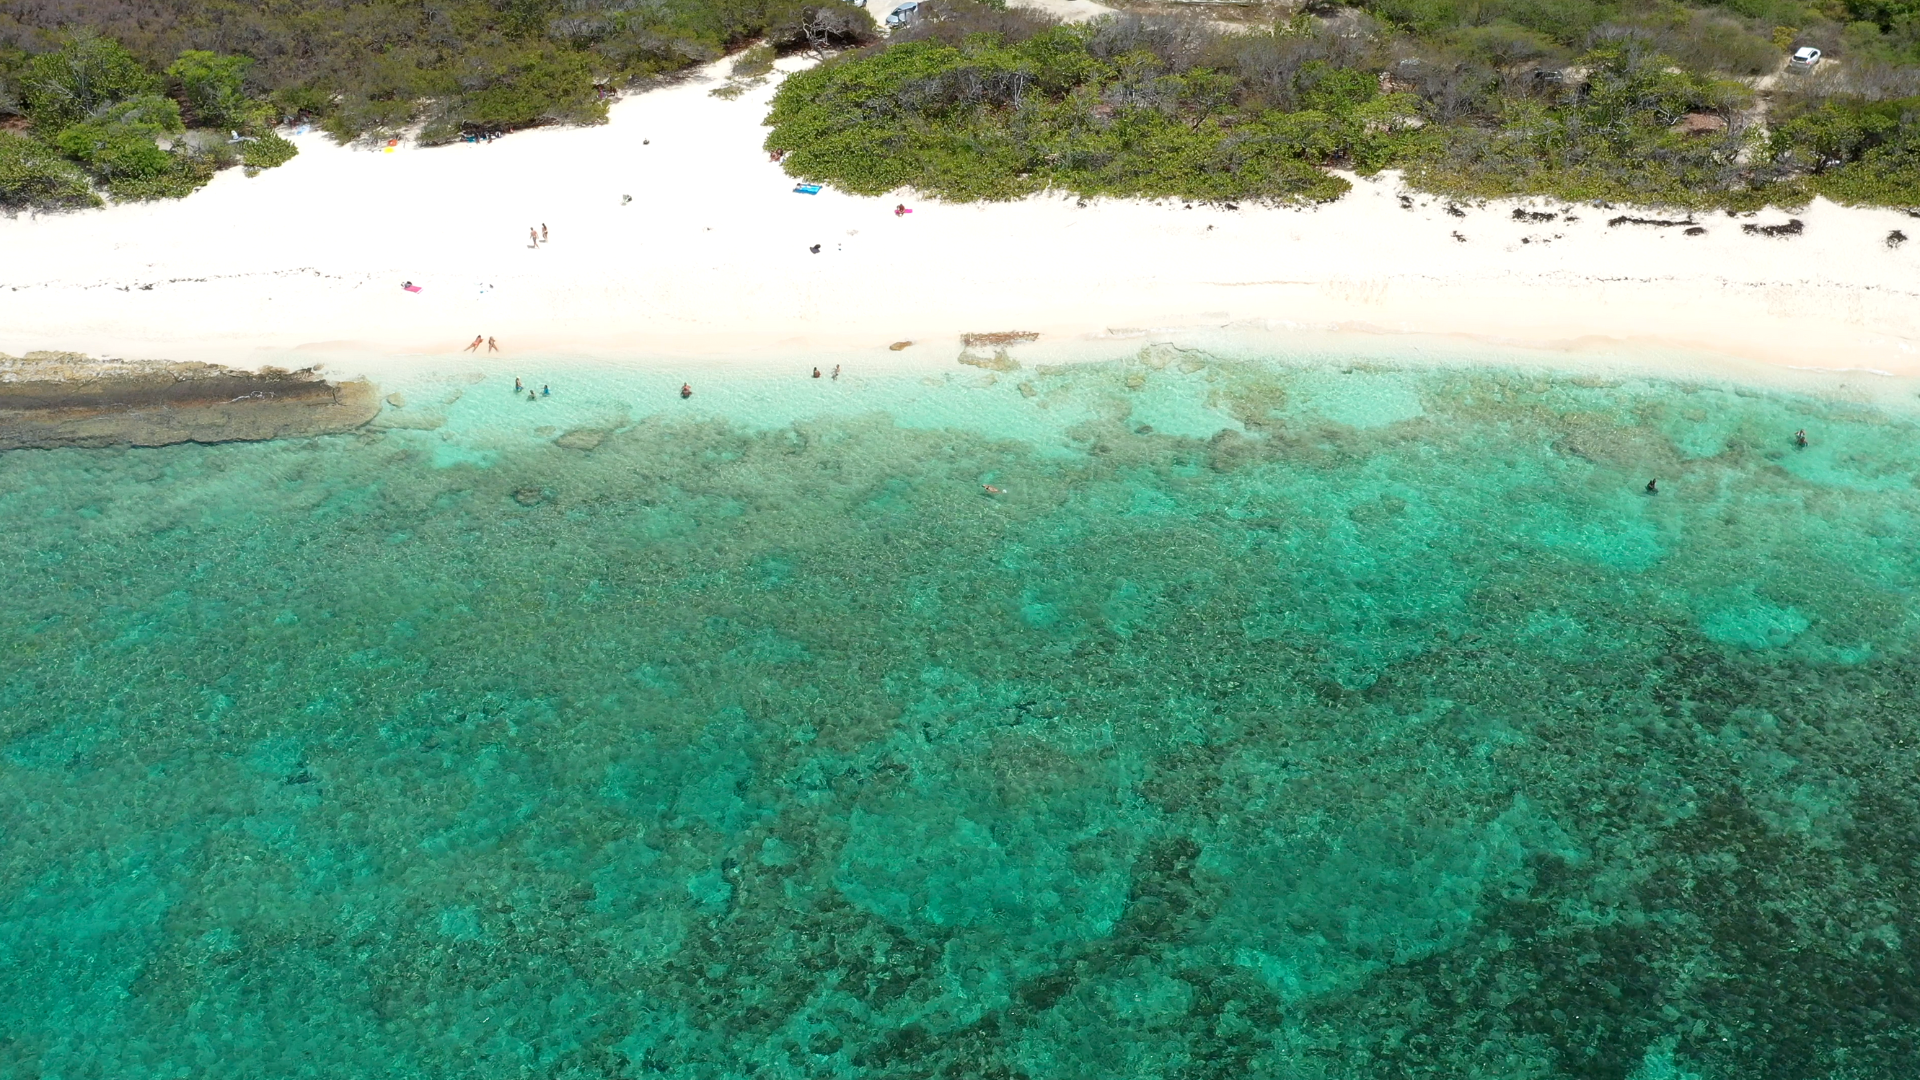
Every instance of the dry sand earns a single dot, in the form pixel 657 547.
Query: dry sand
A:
pixel 710 263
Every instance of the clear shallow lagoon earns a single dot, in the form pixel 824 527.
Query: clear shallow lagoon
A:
pixel 1275 722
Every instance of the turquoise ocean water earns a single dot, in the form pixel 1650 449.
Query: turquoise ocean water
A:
pixel 1309 722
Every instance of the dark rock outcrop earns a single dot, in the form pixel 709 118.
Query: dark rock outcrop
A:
pixel 65 399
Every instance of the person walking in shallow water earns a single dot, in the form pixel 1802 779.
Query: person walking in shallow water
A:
pixel 1800 439
pixel 1653 487
pixel 474 346
pixel 494 346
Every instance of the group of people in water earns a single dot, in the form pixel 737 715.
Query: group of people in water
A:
pixel 686 389
pixel 1799 443
pixel 520 388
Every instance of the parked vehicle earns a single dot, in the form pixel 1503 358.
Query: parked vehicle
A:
pixel 1805 57
pixel 904 14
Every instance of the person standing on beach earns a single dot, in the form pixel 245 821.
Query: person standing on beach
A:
pixel 494 346
pixel 533 234
pixel 474 346
pixel 836 371
pixel 543 232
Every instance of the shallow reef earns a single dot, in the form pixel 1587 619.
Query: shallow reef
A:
pixel 1280 722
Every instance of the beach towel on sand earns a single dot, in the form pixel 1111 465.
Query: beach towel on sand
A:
pixel 806 189
pixel 411 287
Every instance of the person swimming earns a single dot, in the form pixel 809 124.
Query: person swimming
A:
pixel 686 390
pixel 991 490
pixel 1800 439
pixel 517 387
pixel 545 390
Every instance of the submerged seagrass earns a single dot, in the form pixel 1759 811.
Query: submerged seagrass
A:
pixel 1389 732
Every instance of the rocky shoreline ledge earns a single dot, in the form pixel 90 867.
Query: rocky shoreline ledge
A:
pixel 66 399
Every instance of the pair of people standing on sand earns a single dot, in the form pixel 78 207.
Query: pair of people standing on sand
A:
pixel 474 345
pixel 538 236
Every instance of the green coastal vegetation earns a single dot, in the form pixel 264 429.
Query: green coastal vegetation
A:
pixel 142 98
pixel 1651 102
pixel 96 119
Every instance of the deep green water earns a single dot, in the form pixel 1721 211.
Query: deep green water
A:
pixel 1392 731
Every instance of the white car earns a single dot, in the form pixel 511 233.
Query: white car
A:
pixel 1805 56
pixel 904 14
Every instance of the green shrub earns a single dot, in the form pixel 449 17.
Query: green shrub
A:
pixel 753 62
pixel 1856 152
pixel 184 175
pixel 119 142
pixel 267 151
pixel 34 177
pixel 68 85
pixel 291 102
pixel 214 87
pixel 548 85
pixel 1611 139
pixel 991 120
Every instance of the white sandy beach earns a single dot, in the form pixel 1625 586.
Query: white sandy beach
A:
pixel 710 262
